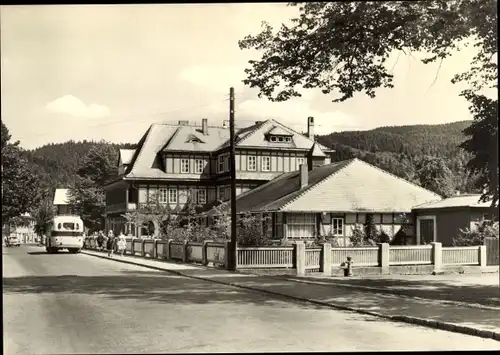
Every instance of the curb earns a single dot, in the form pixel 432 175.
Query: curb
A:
pixel 397 318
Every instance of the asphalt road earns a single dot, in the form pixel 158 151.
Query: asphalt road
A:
pixel 67 304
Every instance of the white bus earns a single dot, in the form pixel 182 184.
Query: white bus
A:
pixel 66 232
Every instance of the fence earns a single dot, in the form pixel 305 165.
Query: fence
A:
pixel 492 251
pixel 306 260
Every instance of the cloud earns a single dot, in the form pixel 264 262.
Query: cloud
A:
pixel 71 105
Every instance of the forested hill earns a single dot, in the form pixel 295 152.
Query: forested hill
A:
pixel 442 139
pixel 56 164
pixel 428 155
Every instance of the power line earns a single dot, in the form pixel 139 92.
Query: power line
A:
pixel 133 119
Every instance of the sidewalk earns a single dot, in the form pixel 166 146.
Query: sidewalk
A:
pixel 431 313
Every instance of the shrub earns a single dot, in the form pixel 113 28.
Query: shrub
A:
pixel 484 229
pixel 250 231
pixel 358 237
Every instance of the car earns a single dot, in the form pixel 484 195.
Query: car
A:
pixel 13 241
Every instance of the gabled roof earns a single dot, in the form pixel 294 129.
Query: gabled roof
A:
pixel 182 139
pixel 126 156
pixel 346 186
pixel 255 136
pixel 280 131
pixel 316 151
pixel 469 200
pixel 61 197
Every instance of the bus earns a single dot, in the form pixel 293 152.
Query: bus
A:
pixel 65 232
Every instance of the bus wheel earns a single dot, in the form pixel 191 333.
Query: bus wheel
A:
pixel 74 250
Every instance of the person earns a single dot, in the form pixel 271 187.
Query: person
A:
pixel 122 244
pixel 100 240
pixel 111 243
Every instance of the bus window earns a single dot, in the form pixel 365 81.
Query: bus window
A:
pixel 77 226
pixel 69 226
pixel 59 226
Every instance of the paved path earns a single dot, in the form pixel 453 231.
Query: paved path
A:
pixel 71 304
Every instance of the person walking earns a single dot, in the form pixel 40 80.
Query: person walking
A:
pixel 122 244
pixel 111 243
pixel 100 240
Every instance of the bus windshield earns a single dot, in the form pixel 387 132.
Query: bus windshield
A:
pixel 68 226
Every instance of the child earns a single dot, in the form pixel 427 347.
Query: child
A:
pixel 122 244
pixel 110 244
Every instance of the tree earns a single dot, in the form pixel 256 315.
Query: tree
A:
pixel 343 47
pixel 43 216
pixel 20 187
pixel 434 175
pixel 482 143
pixel 88 196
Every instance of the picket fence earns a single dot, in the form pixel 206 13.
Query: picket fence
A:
pixel 304 260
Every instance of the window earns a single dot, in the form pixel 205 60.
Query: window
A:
pixel 227 193
pixel 221 163
pixel 172 196
pixel 300 161
pixel 337 227
pixel 163 196
pixel 252 163
pixel 199 166
pixel 281 139
pixel 279 226
pixel 266 163
pixel 273 139
pixel 68 226
pixel 288 139
pixel 301 225
pixel 184 166
pixel 220 193
pixel 226 163
pixel 202 197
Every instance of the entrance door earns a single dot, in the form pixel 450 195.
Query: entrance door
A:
pixel 426 230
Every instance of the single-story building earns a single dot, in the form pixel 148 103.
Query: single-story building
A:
pixel 441 221
pixel 330 200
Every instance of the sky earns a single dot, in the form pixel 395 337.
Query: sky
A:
pixel 109 71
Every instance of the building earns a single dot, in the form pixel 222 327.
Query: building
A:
pixel 61 202
pixel 329 200
pixel 441 221
pixel 24 227
pixel 171 160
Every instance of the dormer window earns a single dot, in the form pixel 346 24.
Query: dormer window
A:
pixel 280 139
pixel 193 139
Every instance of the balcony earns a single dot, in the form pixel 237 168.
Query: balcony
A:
pixel 118 207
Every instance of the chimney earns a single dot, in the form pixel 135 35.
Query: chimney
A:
pixel 304 176
pixel 204 126
pixel 183 123
pixel 310 127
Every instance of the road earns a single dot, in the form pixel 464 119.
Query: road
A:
pixel 71 304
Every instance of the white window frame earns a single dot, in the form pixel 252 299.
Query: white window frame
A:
pixel 288 139
pixel 173 196
pixel 163 195
pixel 278 226
pixel 273 139
pixel 199 166
pixel 201 196
pixel 281 139
pixel 308 222
pixel 265 163
pixel 335 226
pixel 226 163
pixel 220 163
pixel 184 171
pixel 250 158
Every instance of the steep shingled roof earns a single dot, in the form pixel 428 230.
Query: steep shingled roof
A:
pixel 61 197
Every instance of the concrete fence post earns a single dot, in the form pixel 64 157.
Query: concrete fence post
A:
pixel 155 251
pixel 300 258
pixel 132 247
pixel 167 249
pixel 437 256
pixel 185 251
pixel 204 254
pixel 326 259
pixel 383 258
pixel 143 248
pixel 482 256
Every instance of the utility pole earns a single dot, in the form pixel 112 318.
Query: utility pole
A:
pixel 233 258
